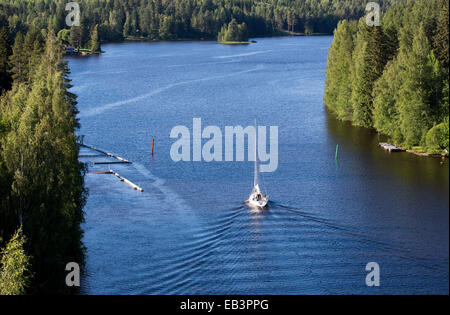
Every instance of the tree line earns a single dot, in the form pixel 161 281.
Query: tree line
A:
pixel 41 180
pixel 182 19
pixel 394 77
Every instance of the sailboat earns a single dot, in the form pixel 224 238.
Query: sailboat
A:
pixel 257 199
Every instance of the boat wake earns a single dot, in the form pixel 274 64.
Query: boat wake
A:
pixel 394 248
pixel 243 54
pixel 101 109
pixel 170 197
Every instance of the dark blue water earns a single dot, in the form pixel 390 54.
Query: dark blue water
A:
pixel 189 232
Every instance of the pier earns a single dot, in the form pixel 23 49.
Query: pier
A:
pixel 123 179
pixel 90 155
pixel 122 160
pixel 115 162
pixel 119 159
pixel 390 147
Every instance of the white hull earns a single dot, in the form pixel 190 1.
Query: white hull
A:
pixel 257 199
pixel 258 203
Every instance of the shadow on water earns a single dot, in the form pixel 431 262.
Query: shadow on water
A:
pixel 363 143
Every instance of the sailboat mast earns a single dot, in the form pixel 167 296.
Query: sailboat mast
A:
pixel 255 181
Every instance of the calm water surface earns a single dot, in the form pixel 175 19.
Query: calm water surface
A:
pixel 189 232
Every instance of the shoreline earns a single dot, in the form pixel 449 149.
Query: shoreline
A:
pixel 146 39
pixel 237 42
pixel 86 53
pixel 398 148
pixel 415 150
pixel 83 53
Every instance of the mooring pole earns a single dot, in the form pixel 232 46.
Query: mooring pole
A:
pixel 153 144
pixel 336 155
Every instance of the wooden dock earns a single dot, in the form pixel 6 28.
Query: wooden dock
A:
pixel 90 155
pixel 390 147
pixel 119 159
pixel 115 162
pixel 123 179
pixel 122 160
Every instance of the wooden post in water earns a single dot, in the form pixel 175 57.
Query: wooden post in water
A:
pixel 153 144
pixel 336 155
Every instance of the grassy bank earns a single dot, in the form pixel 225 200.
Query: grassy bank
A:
pixel 236 42
pixel 421 151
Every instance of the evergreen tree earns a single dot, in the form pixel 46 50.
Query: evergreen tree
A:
pixel 243 32
pixel 442 36
pixel 385 98
pixel 18 59
pixel 222 33
pixel 232 32
pixel 369 59
pixel 94 43
pixel 338 85
pixel 166 28
pixel 76 36
pixel 127 26
pixel 33 46
pixel 5 52
pixel 414 102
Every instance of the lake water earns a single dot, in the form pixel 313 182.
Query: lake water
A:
pixel 189 232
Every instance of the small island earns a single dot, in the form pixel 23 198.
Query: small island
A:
pixel 72 40
pixel 233 34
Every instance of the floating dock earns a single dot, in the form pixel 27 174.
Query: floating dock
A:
pixel 123 179
pixel 122 160
pixel 390 147
pixel 90 155
pixel 110 171
pixel 115 162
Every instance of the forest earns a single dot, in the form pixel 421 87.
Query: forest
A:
pixel 394 77
pixel 185 19
pixel 41 180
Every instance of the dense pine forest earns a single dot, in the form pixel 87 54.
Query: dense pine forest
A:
pixel 184 19
pixel 394 77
